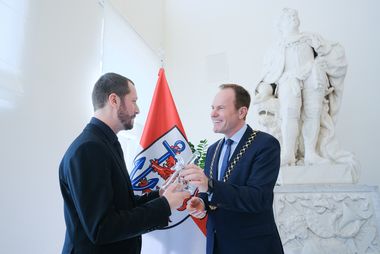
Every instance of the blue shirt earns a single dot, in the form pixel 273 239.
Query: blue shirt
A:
pixel 236 138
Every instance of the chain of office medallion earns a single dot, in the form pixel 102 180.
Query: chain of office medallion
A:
pixel 236 159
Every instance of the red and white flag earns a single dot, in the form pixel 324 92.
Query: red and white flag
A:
pixel 163 139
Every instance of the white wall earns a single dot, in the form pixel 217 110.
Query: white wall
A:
pixel 61 62
pixel 146 17
pixel 228 39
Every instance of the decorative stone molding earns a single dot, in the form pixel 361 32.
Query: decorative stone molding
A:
pixel 339 219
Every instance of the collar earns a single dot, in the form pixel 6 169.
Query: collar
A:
pixel 238 135
pixel 108 132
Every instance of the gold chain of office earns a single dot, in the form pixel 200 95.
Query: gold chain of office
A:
pixel 236 159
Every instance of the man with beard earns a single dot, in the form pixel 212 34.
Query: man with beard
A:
pixel 102 214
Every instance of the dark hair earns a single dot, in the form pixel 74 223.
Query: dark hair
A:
pixel 242 97
pixel 107 84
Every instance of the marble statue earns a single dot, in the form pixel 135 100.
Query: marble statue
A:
pixel 306 73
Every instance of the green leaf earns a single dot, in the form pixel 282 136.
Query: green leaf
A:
pixel 202 149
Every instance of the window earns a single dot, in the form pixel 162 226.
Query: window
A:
pixel 12 22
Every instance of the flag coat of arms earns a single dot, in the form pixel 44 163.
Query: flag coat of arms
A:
pixel 162 141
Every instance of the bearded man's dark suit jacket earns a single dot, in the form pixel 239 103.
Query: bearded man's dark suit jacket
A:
pixel 243 222
pixel 102 214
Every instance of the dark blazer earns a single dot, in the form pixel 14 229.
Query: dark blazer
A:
pixel 102 214
pixel 243 221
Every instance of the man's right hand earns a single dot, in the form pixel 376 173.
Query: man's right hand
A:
pixel 195 175
pixel 174 195
pixel 196 208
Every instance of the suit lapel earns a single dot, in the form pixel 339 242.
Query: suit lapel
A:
pixel 122 167
pixel 218 148
pixel 241 143
pixel 215 166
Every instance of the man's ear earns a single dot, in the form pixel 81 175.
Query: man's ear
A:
pixel 243 112
pixel 113 100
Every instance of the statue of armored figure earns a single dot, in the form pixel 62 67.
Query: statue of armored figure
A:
pixel 307 75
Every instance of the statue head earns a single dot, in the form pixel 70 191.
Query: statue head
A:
pixel 288 21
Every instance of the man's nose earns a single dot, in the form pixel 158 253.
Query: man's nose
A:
pixel 213 113
pixel 137 110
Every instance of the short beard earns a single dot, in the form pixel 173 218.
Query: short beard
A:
pixel 125 120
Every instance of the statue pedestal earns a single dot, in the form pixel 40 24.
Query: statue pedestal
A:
pixel 336 218
pixel 316 174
